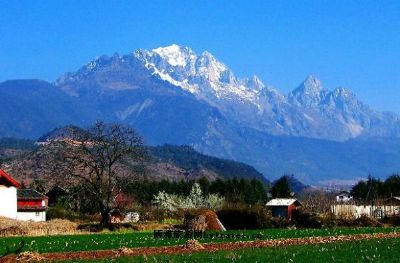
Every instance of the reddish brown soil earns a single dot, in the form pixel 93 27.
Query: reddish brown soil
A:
pixel 210 247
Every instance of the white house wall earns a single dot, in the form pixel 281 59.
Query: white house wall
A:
pixel 359 210
pixel 8 202
pixel 32 216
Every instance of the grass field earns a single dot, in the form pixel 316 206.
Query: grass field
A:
pixel 378 250
pixel 145 239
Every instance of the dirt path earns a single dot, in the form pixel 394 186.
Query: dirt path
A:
pixel 210 247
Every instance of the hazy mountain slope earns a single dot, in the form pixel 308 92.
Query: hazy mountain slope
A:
pixel 314 161
pixel 31 107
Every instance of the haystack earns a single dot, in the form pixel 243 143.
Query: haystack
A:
pixel 202 220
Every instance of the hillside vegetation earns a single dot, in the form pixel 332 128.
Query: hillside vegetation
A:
pixel 189 159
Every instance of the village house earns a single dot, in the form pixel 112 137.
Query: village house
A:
pixel 32 205
pixel 283 207
pixel 8 195
pixel 20 204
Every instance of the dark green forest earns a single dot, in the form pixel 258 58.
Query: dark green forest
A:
pixel 189 159
pixel 374 188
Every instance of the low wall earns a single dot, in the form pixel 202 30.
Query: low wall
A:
pixel 347 210
pixel 32 216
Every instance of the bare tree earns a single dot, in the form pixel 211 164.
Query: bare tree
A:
pixel 316 201
pixel 93 158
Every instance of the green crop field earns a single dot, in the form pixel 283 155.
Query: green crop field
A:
pixel 376 250
pixel 146 239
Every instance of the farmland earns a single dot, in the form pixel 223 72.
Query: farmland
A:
pixel 105 241
pixel 381 250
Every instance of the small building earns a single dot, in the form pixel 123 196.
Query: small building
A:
pixel 32 205
pixel 344 197
pixel 8 195
pixel 20 204
pixel 283 207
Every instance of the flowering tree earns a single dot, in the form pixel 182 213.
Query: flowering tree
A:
pixel 195 199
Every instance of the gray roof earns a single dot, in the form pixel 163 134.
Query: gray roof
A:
pixel 282 202
pixel 30 194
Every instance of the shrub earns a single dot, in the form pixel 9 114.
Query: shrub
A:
pixel 328 220
pixel 306 220
pixel 62 213
pixel 366 221
pixel 245 218
pixel 362 221
pixel 277 222
pixel 391 220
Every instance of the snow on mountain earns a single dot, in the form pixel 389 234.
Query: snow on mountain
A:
pixel 203 75
pixel 310 110
pixel 174 54
pixel 310 93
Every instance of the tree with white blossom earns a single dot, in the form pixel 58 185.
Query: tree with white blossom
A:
pixel 195 199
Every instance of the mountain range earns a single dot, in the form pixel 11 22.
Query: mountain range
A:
pixel 173 95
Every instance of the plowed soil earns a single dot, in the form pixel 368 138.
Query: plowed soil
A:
pixel 210 247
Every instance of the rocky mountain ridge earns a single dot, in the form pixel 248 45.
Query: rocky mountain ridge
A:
pixel 310 110
pixel 173 95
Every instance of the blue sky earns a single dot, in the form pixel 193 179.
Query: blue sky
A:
pixel 355 44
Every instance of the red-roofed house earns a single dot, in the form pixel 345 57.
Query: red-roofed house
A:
pixel 8 195
pixel 283 207
pixel 32 205
pixel 20 204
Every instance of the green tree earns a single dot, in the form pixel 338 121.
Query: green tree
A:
pixel 360 190
pixel 368 191
pixel 204 184
pixel 281 188
pixel 257 192
pixel 392 186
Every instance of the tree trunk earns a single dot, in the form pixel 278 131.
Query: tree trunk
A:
pixel 106 218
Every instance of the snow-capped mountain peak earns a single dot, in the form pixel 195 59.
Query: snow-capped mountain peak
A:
pixel 255 83
pixel 311 86
pixel 312 82
pixel 203 75
pixel 175 55
pixel 309 93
